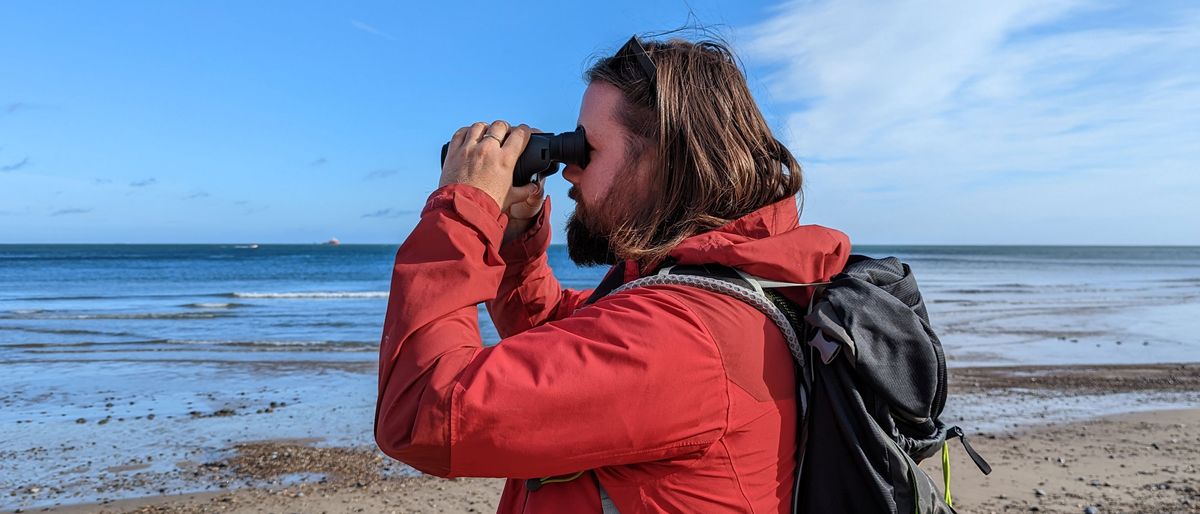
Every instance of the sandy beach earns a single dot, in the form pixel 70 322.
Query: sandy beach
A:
pixel 1147 460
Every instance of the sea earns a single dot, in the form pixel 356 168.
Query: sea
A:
pixel 145 361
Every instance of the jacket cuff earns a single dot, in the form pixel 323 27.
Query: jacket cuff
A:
pixel 534 242
pixel 473 206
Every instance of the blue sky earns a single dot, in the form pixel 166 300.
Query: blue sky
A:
pixel 917 122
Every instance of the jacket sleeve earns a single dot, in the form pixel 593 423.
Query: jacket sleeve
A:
pixel 632 378
pixel 529 294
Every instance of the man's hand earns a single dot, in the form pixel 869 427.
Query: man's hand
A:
pixel 484 156
pixel 522 214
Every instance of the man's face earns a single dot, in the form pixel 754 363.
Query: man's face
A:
pixel 610 186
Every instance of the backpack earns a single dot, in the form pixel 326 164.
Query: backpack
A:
pixel 871 380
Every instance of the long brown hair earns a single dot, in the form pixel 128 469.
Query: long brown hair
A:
pixel 716 158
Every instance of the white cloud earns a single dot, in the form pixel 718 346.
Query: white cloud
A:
pixel 371 30
pixel 991 122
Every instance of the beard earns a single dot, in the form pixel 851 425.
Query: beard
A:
pixel 588 244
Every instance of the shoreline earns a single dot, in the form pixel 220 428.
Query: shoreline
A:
pixel 1041 437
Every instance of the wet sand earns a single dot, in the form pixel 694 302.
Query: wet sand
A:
pixel 1076 380
pixel 1044 460
pixel 1145 462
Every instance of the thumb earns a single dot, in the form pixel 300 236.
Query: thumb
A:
pixel 522 195
pixel 530 192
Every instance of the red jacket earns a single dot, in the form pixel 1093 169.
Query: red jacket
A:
pixel 674 399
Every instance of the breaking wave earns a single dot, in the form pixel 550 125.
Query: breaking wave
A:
pixel 65 315
pixel 313 295
pixel 215 305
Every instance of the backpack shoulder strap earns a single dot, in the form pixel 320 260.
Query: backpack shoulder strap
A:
pixel 740 285
pixel 757 293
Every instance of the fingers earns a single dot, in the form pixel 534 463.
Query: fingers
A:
pixel 529 191
pixel 536 191
pixel 518 137
pixel 459 136
pixel 476 140
pixel 490 168
pixel 525 202
pixel 475 131
pixel 498 130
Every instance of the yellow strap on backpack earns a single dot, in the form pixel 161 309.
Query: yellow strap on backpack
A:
pixel 946 471
pixel 565 478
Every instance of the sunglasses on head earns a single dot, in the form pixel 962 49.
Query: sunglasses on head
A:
pixel 634 49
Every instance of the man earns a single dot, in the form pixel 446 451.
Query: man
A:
pixel 655 399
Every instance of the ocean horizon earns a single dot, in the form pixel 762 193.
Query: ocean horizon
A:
pixel 182 299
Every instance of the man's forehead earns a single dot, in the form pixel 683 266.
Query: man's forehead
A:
pixel 600 102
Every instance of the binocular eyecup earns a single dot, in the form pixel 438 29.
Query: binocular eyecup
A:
pixel 544 153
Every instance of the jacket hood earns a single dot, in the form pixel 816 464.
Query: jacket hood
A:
pixel 770 243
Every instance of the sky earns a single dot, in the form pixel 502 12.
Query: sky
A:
pixel 916 122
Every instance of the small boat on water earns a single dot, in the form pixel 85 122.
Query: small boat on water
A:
pixel 332 242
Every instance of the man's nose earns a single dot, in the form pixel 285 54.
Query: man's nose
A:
pixel 571 173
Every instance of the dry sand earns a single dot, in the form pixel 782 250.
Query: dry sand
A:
pixel 1143 462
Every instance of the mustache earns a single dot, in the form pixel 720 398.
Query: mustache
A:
pixel 573 193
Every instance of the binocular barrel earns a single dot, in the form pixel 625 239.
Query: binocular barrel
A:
pixel 544 153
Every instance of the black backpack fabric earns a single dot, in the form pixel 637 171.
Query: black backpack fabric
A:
pixel 873 413
pixel 872 384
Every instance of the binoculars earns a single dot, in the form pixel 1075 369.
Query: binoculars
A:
pixel 544 153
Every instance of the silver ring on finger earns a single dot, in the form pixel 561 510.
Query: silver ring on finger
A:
pixel 493 136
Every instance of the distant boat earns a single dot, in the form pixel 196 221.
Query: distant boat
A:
pixel 332 242
pixel 253 247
